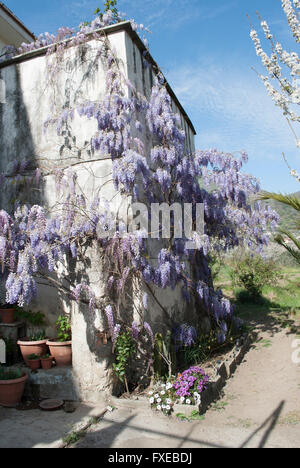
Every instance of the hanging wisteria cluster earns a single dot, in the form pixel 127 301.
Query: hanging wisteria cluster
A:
pixel 283 68
pixel 35 242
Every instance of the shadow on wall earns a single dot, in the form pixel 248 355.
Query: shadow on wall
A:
pixel 17 145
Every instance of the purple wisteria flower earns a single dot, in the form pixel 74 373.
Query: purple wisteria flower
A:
pixel 150 333
pixel 110 319
pixel 135 331
pixel 184 335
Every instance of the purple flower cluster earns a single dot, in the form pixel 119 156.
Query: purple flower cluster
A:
pixel 190 381
pixel 33 240
pixel 135 331
pixel 184 335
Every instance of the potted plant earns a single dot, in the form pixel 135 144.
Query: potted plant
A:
pixel 7 313
pixel 12 384
pixel 34 344
pixel 61 348
pixel 34 361
pixel 46 361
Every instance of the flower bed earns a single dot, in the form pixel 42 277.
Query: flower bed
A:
pixel 185 389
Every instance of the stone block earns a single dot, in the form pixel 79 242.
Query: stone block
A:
pixel 56 383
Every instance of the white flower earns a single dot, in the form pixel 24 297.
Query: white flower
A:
pixel 156 395
pixel 196 394
pixel 168 407
pixel 150 393
pixel 151 400
pixel 163 392
pixel 158 400
pixel 169 401
pixel 182 399
pixel 169 385
pixel 188 401
pixel 158 407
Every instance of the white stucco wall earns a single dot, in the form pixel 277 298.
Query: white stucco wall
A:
pixel 28 100
pixel 12 31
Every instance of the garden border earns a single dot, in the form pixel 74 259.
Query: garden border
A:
pixel 224 371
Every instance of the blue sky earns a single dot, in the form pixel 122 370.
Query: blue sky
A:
pixel 204 49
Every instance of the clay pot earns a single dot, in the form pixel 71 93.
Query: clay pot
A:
pixel 11 391
pixel 27 348
pixel 61 351
pixel 7 315
pixel 46 363
pixel 34 364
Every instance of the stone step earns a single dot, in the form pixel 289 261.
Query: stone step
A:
pixel 57 383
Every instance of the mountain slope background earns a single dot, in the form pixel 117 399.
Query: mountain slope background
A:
pixel 287 214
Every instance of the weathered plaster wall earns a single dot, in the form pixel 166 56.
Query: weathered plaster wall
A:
pixel 22 136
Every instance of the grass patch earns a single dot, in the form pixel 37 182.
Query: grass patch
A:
pixel 280 302
pixel 292 418
pixel 194 416
pixel 219 406
pixel 74 437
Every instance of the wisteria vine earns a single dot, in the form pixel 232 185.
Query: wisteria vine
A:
pixel 35 242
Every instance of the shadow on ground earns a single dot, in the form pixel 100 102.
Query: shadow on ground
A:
pixel 129 432
pixel 37 428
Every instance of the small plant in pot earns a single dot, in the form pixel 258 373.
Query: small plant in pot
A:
pixel 34 361
pixel 61 348
pixel 46 361
pixel 7 313
pixel 12 384
pixel 36 343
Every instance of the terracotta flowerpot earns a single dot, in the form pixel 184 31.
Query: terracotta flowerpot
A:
pixel 34 364
pixel 11 391
pixel 27 348
pixel 7 315
pixel 62 352
pixel 47 363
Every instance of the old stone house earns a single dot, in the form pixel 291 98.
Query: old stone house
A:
pixel 12 30
pixel 22 136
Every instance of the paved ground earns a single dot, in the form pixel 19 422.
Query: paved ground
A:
pixel 260 408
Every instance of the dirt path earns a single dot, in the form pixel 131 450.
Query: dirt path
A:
pixel 260 408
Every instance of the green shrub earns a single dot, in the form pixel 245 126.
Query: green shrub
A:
pixel 33 357
pixel 63 326
pixel 252 273
pixel 10 374
pixel 125 349
pixel 38 336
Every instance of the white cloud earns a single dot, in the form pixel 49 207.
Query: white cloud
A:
pixel 231 107
pixel 169 13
